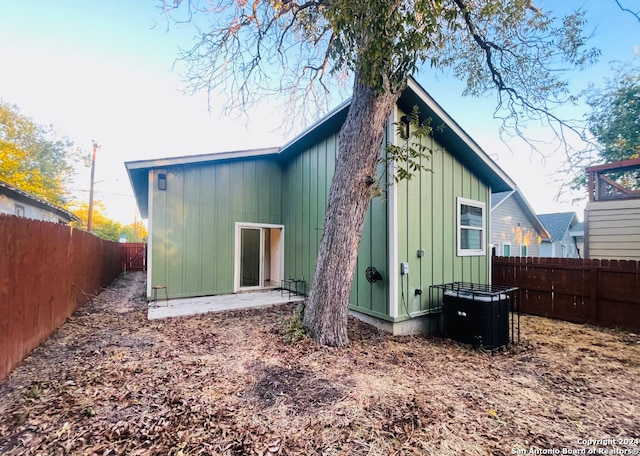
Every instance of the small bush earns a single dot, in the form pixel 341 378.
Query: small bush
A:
pixel 295 331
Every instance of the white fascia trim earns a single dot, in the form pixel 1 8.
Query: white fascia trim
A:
pixel 204 158
pixel 392 215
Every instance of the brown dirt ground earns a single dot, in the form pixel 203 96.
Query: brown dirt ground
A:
pixel 111 382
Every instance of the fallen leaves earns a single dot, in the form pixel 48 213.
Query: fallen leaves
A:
pixel 110 382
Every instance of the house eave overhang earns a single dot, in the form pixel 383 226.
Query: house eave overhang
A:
pixel 455 139
pixel 19 195
pixel 329 124
pixel 138 171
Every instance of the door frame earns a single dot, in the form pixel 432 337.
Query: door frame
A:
pixel 279 254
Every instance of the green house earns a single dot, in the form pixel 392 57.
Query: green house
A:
pixel 246 220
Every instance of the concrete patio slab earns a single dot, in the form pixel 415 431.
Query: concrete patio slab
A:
pixel 219 303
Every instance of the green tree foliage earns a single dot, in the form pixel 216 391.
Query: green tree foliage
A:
pixel 106 228
pixel 614 120
pixel 135 232
pixel 612 127
pixel 248 50
pixel 32 157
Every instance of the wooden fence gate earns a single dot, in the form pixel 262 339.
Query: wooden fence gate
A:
pixel 134 256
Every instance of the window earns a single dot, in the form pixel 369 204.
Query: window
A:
pixel 523 250
pixel 506 250
pixel 19 210
pixel 471 231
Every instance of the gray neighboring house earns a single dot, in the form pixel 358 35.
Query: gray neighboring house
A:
pixel 567 238
pixel 515 228
pixel 17 202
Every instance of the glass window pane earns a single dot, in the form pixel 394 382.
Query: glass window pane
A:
pixel 249 257
pixel 471 239
pixel 470 215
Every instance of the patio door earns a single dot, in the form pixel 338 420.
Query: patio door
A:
pixel 259 256
pixel 250 254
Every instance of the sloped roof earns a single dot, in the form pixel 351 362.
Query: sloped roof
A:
pixel 557 224
pixel 453 138
pixel 577 230
pixel 16 194
pixel 498 198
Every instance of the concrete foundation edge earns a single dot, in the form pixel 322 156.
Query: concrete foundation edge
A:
pixel 424 324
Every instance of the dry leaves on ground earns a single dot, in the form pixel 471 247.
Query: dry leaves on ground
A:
pixel 110 382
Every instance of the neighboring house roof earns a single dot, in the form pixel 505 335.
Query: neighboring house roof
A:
pixel 27 198
pixel 498 198
pixel 557 224
pixel 577 230
pixel 453 138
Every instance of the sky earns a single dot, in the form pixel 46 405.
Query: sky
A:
pixel 104 71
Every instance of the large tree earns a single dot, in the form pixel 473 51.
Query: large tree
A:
pixel 33 157
pixel 249 49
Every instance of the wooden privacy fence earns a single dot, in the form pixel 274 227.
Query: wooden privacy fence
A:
pixel 134 256
pixel 47 271
pixel 600 292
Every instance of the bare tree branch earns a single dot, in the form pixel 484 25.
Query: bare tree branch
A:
pixel 636 14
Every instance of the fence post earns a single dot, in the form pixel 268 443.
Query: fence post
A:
pixel 594 286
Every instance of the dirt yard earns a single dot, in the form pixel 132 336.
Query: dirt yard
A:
pixel 110 382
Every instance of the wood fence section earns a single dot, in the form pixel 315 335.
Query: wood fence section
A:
pixel 600 292
pixel 47 271
pixel 134 256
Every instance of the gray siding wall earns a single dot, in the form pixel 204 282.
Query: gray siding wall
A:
pixel 8 206
pixel 510 225
pixel 614 229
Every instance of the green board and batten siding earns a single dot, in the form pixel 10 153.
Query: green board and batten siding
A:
pixel 427 220
pixel 193 221
pixel 306 182
pixel 193 232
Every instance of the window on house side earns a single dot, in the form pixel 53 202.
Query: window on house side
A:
pixel 471 227
pixel 506 250
pixel 19 210
pixel 523 250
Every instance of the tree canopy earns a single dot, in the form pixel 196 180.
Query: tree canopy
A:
pixel 33 158
pixel 107 228
pixel 249 50
pixel 614 120
pixel 303 49
pixel 612 128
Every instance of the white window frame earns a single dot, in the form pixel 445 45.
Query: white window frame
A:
pixel 524 250
pixel 483 230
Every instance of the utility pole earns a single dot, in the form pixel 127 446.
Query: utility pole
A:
pixel 93 170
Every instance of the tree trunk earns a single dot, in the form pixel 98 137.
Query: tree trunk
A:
pixel 360 143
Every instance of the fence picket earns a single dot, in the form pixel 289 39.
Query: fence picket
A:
pixel 602 292
pixel 47 270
